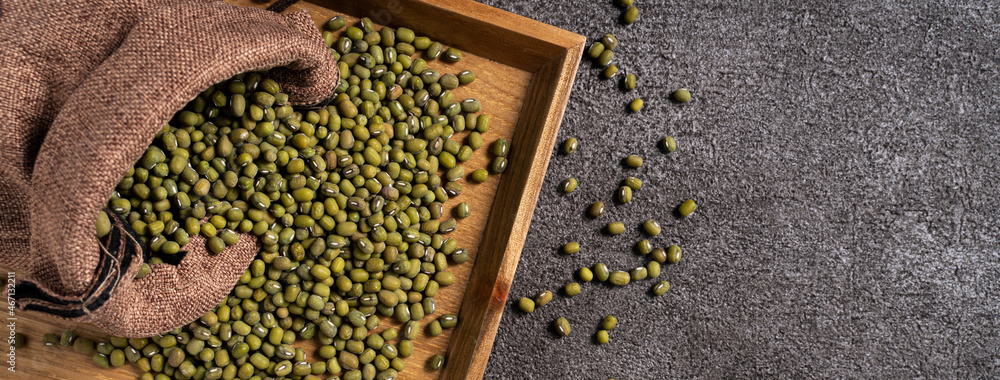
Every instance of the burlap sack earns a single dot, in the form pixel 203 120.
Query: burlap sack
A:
pixel 86 85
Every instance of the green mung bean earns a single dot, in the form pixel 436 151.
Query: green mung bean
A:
pixel 601 272
pixel 436 362
pixel 602 337
pixel 562 326
pixel 653 269
pixel 616 228
pixel 466 77
pixel 635 105
pixel 605 58
pixel 633 161
pixel 526 305
pixel 569 146
pixel 50 340
pixel 543 298
pixel 644 247
pixel 596 209
pixel 610 71
pixel 651 227
pixel 624 194
pixel 687 208
pixel 336 23
pixel 101 360
pixel 595 50
pixel 20 341
pixel 571 248
pixel 103 224
pixel 585 274
pixel 67 338
pixel 630 82
pixel 661 288
pixel 83 345
pixel 668 144
pixel 434 328
pixel 659 255
pixel 500 147
pixel 610 41
pixel 609 322
pixel 480 175
pixel 619 278
pixel 568 185
pixel 630 15
pixel 463 210
pixel 571 289
pixel 682 95
pixel 638 273
pixel 633 183
pixel 673 254
pixel 499 165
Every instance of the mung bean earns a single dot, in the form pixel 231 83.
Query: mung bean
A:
pixel 526 304
pixel 651 227
pixel 609 322
pixel 682 95
pixel 543 298
pixel 571 248
pixel 596 209
pixel 673 254
pixel 631 14
pixel 668 144
pixel 616 228
pixel 601 272
pixel 610 71
pixel 635 105
pixel 569 146
pixel 687 208
pixel 619 278
pixel 661 288
pixel 630 82
pixel 633 161
pixel 602 337
pixel 624 194
pixel 572 289
pixel 562 326
pixel 568 185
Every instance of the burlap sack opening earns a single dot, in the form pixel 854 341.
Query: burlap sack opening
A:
pixel 87 86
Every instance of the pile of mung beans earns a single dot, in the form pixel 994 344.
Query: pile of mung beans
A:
pixel 347 201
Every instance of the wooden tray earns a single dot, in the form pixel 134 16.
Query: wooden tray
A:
pixel 524 73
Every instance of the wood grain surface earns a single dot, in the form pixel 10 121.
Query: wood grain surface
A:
pixel 524 72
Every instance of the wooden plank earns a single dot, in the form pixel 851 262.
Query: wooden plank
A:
pixel 524 72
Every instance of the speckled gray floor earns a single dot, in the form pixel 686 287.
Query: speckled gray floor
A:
pixel 844 158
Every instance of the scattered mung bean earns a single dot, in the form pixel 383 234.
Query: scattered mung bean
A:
pixel 571 248
pixel 673 254
pixel 631 14
pixel 633 161
pixel 568 185
pixel 569 146
pixel 661 288
pixel 596 209
pixel 651 227
pixel 543 298
pixel 609 322
pixel 572 289
pixel 635 105
pixel 682 95
pixel 668 144
pixel 619 278
pixel 624 194
pixel 687 208
pixel 562 326
pixel 616 228
pixel 526 304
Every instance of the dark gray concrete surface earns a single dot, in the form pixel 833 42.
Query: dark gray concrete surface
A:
pixel 844 158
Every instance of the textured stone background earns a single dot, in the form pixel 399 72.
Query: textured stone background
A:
pixel 844 158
